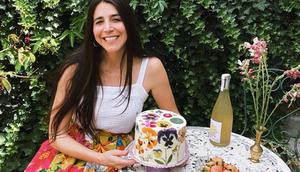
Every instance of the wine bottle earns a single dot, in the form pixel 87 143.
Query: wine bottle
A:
pixel 222 117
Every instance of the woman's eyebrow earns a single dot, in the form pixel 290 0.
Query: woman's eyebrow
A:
pixel 115 15
pixel 101 17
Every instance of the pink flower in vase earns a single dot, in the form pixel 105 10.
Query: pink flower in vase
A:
pixel 257 49
pixel 260 83
pixel 294 74
pixel 292 95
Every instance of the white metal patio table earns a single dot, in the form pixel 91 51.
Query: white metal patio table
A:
pixel 236 153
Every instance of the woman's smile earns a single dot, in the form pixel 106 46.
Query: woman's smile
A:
pixel 110 38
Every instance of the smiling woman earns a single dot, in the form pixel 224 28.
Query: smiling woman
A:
pixel 100 89
pixel 109 30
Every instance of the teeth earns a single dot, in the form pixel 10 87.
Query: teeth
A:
pixel 110 38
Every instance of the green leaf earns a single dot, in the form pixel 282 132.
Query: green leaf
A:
pixel 63 35
pixel 6 84
pixel 28 150
pixel 37 46
pixel 134 4
pixel 2 139
pixel 72 39
pixel 162 5
pixel 32 57
pixel 170 159
pixel 18 67
pixel 79 35
pixel 261 5
pixel 158 161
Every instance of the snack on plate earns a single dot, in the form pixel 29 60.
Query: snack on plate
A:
pixel 160 138
pixel 217 164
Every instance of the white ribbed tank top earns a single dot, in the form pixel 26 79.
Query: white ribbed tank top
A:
pixel 109 106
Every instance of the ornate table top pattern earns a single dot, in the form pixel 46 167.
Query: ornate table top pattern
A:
pixel 236 153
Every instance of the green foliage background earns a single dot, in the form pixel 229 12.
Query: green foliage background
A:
pixel 197 40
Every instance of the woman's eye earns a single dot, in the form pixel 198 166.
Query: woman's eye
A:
pixel 116 19
pixel 99 22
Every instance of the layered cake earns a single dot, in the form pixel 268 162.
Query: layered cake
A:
pixel 160 138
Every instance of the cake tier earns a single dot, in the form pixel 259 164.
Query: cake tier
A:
pixel 160 138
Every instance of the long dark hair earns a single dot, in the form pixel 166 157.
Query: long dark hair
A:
pixel 82 89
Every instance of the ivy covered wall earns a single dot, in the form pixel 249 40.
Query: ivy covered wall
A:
pixel 197 40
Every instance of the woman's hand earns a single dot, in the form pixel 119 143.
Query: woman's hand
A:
pixel 113 158
pixel 130 137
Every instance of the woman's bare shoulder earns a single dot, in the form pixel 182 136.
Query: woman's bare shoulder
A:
pixel 67 75
pixel 155 65
pixel 154 72
pixel 69 71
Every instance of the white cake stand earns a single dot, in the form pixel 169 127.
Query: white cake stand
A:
pixel 132 155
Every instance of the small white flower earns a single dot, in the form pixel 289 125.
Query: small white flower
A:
pixel 247 44
pixel 252 52
pixel 255 40
pixel 240 63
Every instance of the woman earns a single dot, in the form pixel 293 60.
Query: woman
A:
pixel 101 89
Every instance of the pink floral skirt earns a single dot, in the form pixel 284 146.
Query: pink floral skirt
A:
pixel 48 159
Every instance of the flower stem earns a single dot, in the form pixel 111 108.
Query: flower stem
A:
pixel 266 116
pixel 264 87
pixel 259 112
pixel 253 98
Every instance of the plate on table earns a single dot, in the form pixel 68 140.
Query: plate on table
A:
pixel 217 164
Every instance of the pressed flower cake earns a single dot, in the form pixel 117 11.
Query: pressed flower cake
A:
pixel 160 138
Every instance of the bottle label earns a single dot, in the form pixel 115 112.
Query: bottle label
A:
pixel 215 131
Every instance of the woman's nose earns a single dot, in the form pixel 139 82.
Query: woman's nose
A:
pixel 107 26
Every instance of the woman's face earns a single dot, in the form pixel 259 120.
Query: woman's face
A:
pixel 108 28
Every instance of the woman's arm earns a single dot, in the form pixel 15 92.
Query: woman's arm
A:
pixel 159 86
pixel 67 145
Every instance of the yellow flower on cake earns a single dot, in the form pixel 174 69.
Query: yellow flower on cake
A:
pixel 157 153
pixel 164 124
